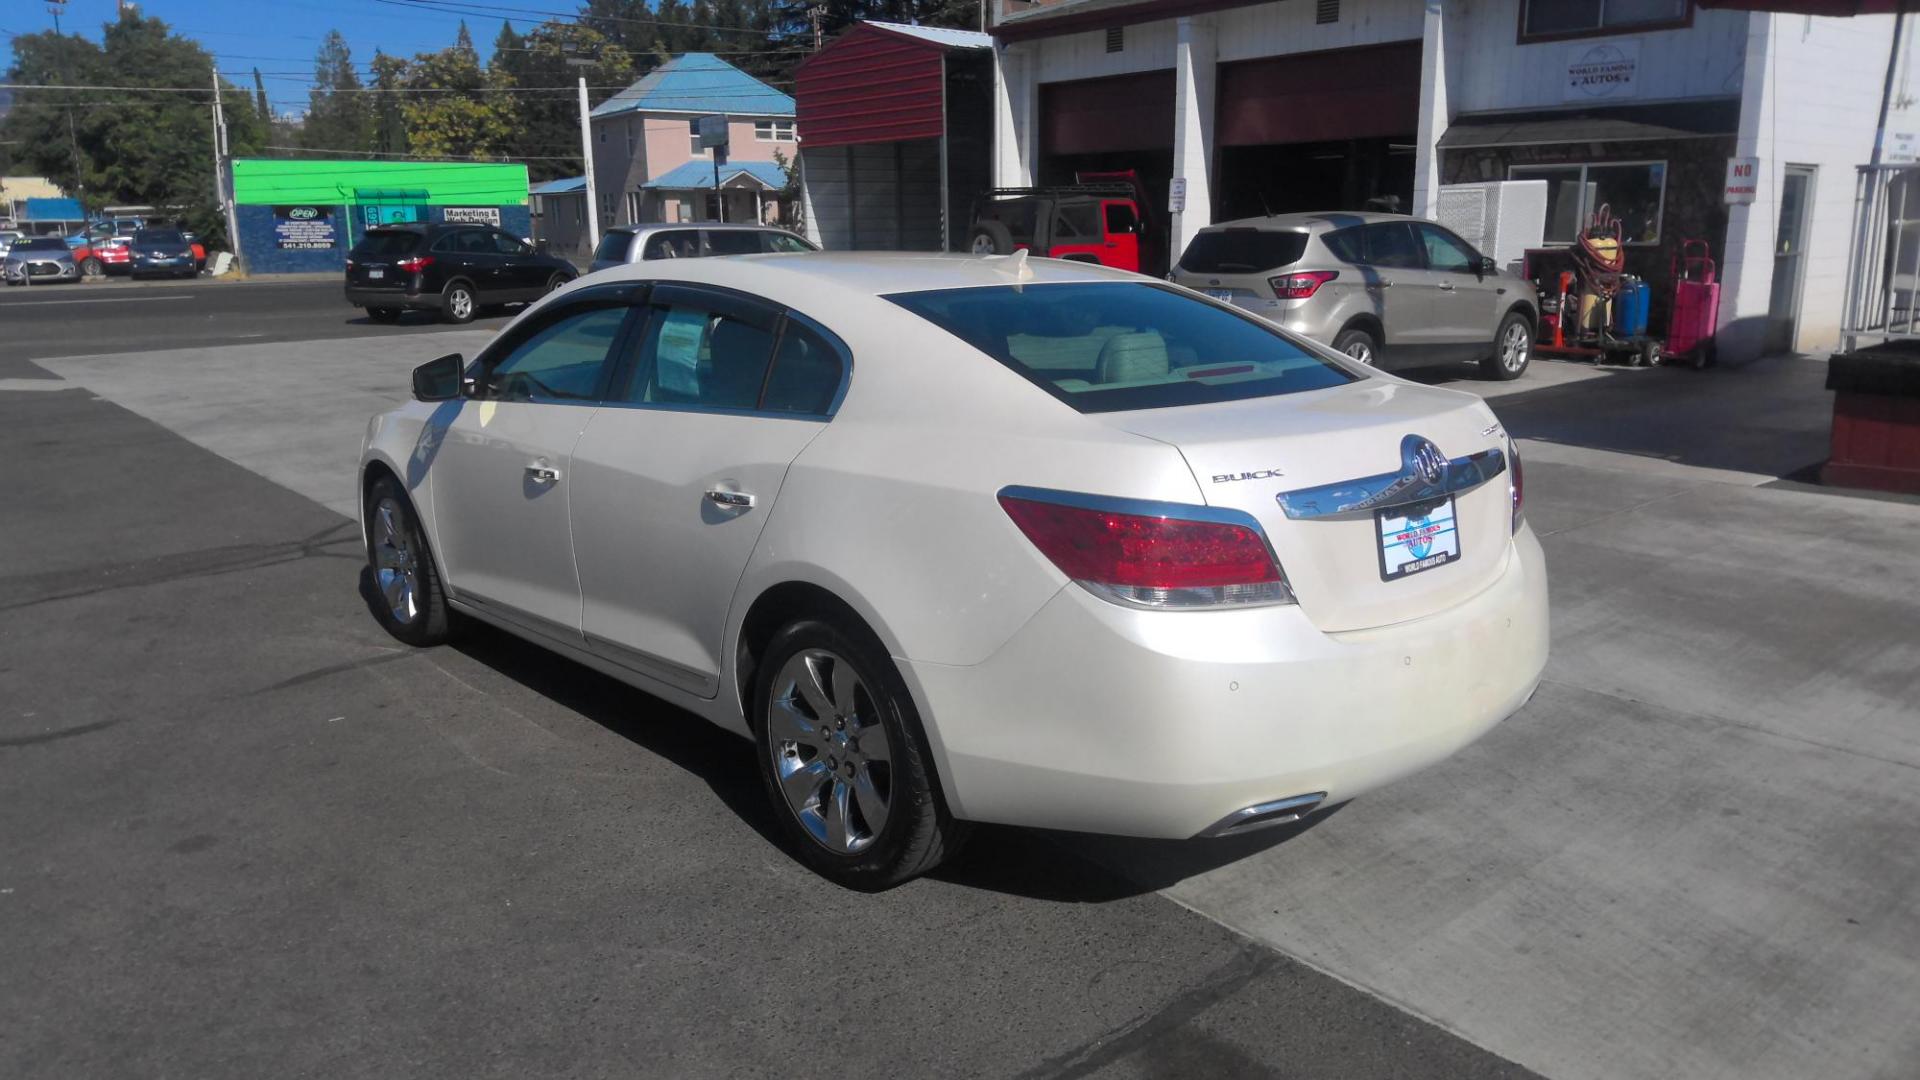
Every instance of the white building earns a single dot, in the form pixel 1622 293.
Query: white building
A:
pixel 1250 107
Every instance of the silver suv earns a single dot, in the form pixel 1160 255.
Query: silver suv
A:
pixel 694 240
pixel 1383 288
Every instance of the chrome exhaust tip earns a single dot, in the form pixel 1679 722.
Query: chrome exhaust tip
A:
pixel 1264 815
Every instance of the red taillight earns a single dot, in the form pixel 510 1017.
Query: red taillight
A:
pixel 1301 285
pixel 415 264
pixel 1152 560
pixel 1518 485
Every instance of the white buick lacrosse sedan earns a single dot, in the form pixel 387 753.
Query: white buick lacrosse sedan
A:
pixel 960 539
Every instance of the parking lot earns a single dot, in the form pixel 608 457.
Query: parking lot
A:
pixel 249 835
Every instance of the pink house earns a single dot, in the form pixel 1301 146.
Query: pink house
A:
pixel 648 166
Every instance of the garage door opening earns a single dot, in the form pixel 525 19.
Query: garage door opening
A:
pixel 1329 130
pixel 1111 125
pixel 1344 174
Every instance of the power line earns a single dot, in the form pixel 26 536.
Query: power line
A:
pixel 505 159
pixel 472 7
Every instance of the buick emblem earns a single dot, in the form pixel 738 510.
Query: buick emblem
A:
pixel 1429 462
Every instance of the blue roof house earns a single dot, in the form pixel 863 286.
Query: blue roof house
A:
pixel 648 167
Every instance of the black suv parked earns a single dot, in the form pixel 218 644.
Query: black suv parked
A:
pixel 451 269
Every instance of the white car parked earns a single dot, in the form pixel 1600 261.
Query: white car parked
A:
pixel 973 539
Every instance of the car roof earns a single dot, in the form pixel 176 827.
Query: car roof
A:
pixel 1332 219
pixel 729 226
pixel 869 273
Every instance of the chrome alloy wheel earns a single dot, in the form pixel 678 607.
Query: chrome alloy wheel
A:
pixel 830 751
pixel 1362 352
pixel 460 304
pixel 1515 345
pixel 982 244
pixel 396 565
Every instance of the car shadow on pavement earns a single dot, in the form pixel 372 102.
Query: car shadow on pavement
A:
pixel 1039 864
pixel 1089 868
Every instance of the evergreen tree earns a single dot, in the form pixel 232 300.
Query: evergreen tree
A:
pixel 339 116
pixel 390 121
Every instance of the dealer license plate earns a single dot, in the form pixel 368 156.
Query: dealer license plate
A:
pixel 1220 294
pixel 375 275
pixel 1417 537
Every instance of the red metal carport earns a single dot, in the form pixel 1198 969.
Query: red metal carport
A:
pixel 894 124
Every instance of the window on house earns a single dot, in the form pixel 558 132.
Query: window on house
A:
pixel 1634 192
pixel 1551 17
pixel 773 130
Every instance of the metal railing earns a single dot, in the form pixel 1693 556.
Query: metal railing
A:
pixel 1883 268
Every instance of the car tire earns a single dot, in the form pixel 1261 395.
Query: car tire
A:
pixel 828 784
pixel 459 304
pixel 1512 349
pixel 558 282
pixel 383 314
pixel 990 238
pixel 91 268
pixel 1359 344
pixel 407 598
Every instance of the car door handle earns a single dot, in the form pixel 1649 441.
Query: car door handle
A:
pixel 543 474
pixel 733 500
pixel 1446 286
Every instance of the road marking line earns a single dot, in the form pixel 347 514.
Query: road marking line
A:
pixel 34 384
pixel 95 300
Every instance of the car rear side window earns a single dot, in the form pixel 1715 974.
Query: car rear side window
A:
pixel 1114 346
pixel 676 244
pixel 1391 244
pixel 782 244
pixel 806 373
pixel 613 247
pixel 382 242
pixel 1345 245
pixel 733 242
pixel 1242 251
pixel 560 362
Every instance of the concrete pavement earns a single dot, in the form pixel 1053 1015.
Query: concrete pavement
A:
pixel 1690 855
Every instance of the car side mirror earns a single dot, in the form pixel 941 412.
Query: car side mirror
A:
pixel 438 379
pixel 1486 266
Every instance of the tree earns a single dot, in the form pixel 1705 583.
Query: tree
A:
pixel 538 122
pixel 390 121
pixel 339 116
pixel 260 99
pixel 126 146
pixel 447 109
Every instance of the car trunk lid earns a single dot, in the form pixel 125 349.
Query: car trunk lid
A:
pixel 1246 454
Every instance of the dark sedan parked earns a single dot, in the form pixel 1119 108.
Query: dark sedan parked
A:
pixel 165 252
pixel 451 269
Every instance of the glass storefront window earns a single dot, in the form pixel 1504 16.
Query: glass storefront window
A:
pixel 1635 192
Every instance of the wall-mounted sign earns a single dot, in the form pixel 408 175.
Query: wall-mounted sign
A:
pixel 391 215
pixel 303 228
pixel 1177 196
pixel 710 130
pixel 472 215
pixel 1743 180
pixel 1604 72
pixel 1900 148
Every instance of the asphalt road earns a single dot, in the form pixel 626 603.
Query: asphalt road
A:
pixel 248 835
pixel 117 316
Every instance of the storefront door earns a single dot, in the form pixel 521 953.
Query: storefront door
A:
pixel 1789 257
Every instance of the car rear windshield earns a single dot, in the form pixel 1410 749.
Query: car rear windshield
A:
pixel 1242 251
pixel 1114 346
pixel 159 236
pixel 387 242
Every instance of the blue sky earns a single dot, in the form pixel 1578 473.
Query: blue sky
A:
pixel 277 36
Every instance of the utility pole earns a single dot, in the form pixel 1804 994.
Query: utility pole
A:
pixel 220 172
pixel 55 7
pixel 813 16
pixel 593 190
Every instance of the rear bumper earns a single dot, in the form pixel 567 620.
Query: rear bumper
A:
pixel 392 298
pixel 1164 724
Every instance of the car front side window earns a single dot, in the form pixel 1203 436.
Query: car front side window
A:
pixel 561 362
pixel 510 245
pixel 1446 251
